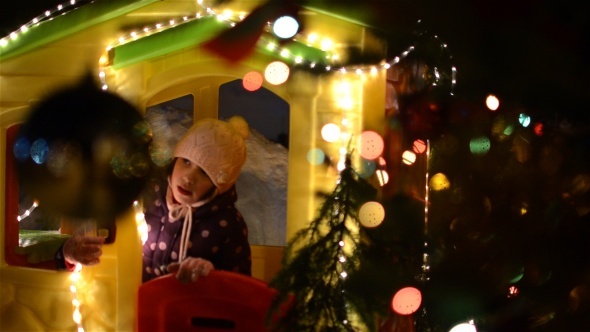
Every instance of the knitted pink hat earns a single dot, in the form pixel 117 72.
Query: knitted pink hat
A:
pixel 217 147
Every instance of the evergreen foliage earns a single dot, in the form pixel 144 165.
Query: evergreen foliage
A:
pixel 313 281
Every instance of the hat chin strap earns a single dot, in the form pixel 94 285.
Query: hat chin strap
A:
pixel 177 211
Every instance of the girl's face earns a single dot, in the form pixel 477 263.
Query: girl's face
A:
pixel 189 182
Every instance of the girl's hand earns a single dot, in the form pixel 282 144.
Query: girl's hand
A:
pixel 82 249
pixel 191 269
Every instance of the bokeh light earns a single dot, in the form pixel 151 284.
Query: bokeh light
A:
pixel 371 145
pixel 419 146
pixel 276 73
pixel 439 181
pixel 252 81
pixel 330 132
pixel 39 151
pixel 479 145
pixel 538 129
pixel 579 298
pixel 371 214
pixel 285 27
pixel 492 102
pixel 464 327
pixel 22 149
pixel 524 120
pixel 408 157
pixel 367 168
pixel 316 156
pixel 406 301
pixel 382 177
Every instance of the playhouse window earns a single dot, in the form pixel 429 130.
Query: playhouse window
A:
pixel 33 232
pixel 262 185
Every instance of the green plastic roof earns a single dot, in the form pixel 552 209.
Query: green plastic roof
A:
pixel 61 26
pixel 191 34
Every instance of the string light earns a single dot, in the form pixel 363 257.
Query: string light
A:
pixel 75 276
pixel 27 211
pixel 46 15
pixel 425 258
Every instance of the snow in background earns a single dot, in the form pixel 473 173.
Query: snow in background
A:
pixel 262 191
pixel 261 187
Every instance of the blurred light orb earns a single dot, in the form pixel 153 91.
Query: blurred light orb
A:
pixel 464 327
pixel 367 168
pixel 371 145
pixel 276 73
pixel 285 27
pixel 579 298
pixel 538 129
pixel 406 301
pixel 492 102
pixel 39 151
pixel 316 156
pixel 22 149
pixel 382 177
pixel 331 132
pixel 479 145
pixel 439 181
pixel 252 81
pixel 419 146
pixel 408 157
pixel 524 120
pixel 508 130
pixel 371 214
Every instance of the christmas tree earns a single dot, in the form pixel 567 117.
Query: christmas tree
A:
pixel 318 261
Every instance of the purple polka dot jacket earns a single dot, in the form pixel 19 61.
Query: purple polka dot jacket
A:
pixel 219 234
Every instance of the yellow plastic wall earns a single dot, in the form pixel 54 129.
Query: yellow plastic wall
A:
pixel 40 300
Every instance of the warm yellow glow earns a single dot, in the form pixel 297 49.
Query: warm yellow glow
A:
pixel 439 181
pixel 77 316
pixel 371 214
pixel 330 132
pixel 312 38
pixel 326 44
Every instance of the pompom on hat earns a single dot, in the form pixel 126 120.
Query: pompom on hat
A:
pixel 217 147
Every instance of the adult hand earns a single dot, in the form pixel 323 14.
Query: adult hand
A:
pixel 82 249
pixel 191 269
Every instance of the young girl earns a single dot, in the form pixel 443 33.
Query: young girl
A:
pixel 193 224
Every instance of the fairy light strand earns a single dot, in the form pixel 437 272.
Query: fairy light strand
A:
pixel 27 212
pixel 426 259
pixel 75 277
pixel 312 40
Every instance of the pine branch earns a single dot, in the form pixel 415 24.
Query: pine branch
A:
pixel 317 261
